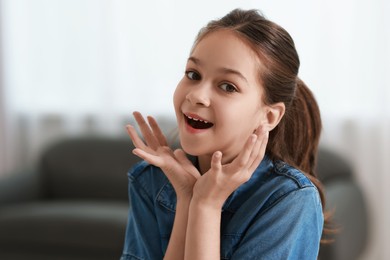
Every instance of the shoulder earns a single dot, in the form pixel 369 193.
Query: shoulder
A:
pixel 296 178
pixel 142 170
pixel 136 171
pixel 278 188
pixel 146 176
pixel 272 182
pixel 283 181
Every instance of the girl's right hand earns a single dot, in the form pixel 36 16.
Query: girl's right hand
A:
pixel 179 170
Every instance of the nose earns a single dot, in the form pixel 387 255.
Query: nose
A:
pixel 199 95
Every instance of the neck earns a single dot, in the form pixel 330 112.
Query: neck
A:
pixel 204 162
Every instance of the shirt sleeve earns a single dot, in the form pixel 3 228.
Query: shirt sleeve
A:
pixel 142 239
pixel 290 229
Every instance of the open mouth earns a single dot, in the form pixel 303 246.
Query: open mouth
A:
pixel 197 123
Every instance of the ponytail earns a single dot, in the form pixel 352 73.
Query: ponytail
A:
pixel 304 120
pixel 295 140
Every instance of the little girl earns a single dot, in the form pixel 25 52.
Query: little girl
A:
pixel 243 184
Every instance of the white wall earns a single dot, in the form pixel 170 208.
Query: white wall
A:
pixel 3 161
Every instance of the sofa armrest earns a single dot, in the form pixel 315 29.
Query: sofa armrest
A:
pixel 350 218
pixel 19 187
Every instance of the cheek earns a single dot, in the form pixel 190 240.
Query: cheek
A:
pixel 178 96
pixel 247 117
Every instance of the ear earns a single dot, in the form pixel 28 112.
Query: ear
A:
pixel 274 113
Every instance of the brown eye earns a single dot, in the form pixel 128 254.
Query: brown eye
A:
pixel 228 87
pixel 192 75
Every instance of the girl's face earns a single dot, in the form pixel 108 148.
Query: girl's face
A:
pixel 218 103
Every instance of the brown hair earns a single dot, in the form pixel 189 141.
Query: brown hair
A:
pixel 295 139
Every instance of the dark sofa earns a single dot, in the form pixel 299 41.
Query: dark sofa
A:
pixel 74 204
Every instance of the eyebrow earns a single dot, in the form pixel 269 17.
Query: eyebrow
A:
pixel 223 70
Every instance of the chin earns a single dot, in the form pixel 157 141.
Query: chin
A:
pixel 191 148
pixel 188 148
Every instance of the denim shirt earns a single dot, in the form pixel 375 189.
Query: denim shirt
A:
pixel 277 214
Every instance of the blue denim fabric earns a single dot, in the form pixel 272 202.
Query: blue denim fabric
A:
pixel 277 214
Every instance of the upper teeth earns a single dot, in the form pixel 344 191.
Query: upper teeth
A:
pixel 196 119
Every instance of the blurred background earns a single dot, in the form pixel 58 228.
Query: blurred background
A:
pixel 71 67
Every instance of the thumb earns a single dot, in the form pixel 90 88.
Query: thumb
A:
pixel 216 161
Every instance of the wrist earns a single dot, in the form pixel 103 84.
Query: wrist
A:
pixel 207 204
pixel 183 200
pixel 183 194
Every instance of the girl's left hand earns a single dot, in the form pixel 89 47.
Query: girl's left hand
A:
pixel 215 186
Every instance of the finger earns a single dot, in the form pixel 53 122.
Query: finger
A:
pixel 147 133
pixel 150 158
pixel 137 141
pixel 186 163
pixel 216 161
pixel 255 151
pixel 157 131
pixel 263 141
pixel 241 161
pixel 182 158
